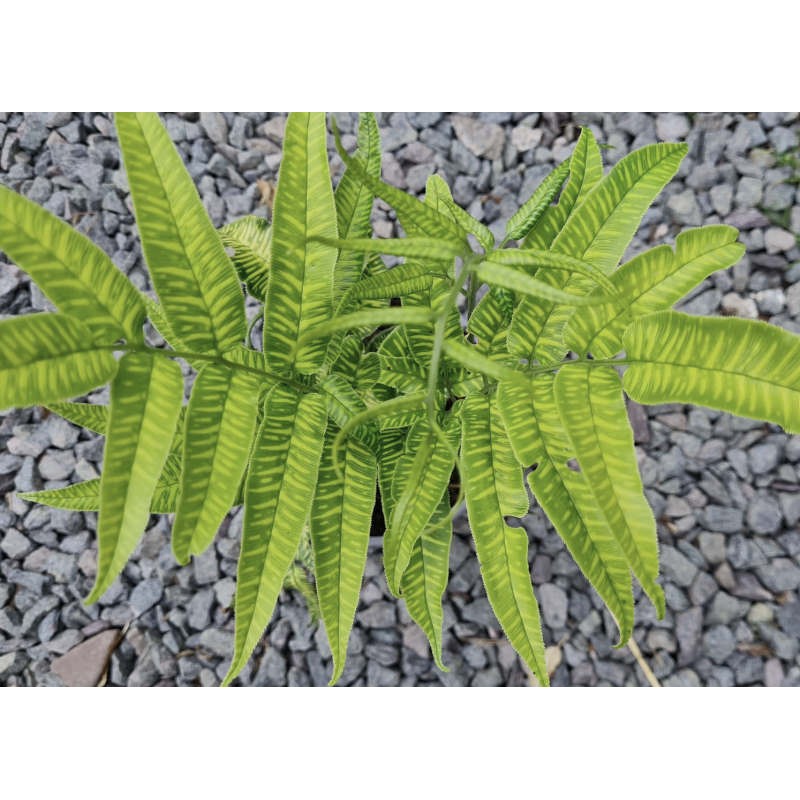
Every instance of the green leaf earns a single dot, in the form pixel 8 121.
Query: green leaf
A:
pixel 192 274
pixel 502 550
pixel 602 226
pixel 367 372
pixel 544 260
pixel 85 496
pixel 391 449
pixel 220 424
pixel 343 403
pixel 474 361
pixel 538 439
pixel 146 397
pixel 508 483
pixel 300 290
pixel 279 490
pixel 75 274
pixel 400 419
pixel 490 319
pixel 250 238
pixel 425 580
pixel 592 409
pixel 354 203
pixel 49 357
pixel 652 281
pixel 745 367
pixel 409 247
pixel 444 202
pixel 399 281
pixel 84 415
pixel 369 318
pixel 341 516
pixel 510 278
pixel 402 403
pixel 421 478
pixel 416 217
pixel 531 211
pixel 598 230
pixel 585 171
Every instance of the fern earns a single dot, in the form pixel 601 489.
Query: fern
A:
pixel 351 394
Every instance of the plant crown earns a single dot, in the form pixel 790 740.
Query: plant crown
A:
pixel 367 376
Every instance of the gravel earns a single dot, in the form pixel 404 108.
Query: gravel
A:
pixel 725 491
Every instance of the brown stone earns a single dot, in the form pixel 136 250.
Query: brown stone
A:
pixel 85 664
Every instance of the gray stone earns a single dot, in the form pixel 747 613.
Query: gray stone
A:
pixel 15 545
pixel 702 589
pixel 12 663
pixel 671 127
pixel 215 126
pixel 782 139
pixel 778 240
pixel 763 458
pixel 224 591
pixel 397 134
pixel 553 602
pixel 424 119
pixel 524 138
pixel 219 642
pixel 198 612
pixel 56 465
pixel 722 519
pixel 790 506
pixel 684 209
pixel 676 567
pixel 773 673
pixel 788 617
pixel 764 515
pixel 748 134
pixel 703 304
pixel 688 629
pixel 378 615
pixel 722 198
pixel 778 197
pixel 749 192
pixel 378 675
pixel 205 567
pixel 743 553
pixel 416 153
pixel 785 647
pixel 780 575
pixel 145 595
pixel 703 176
pixel 718 643
pixel 712 546
pixel 725 609
pixel 62 567
pixel 481 138
pixel 271 670
pixel 488 677
pixel 480 612
pixel 28 440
